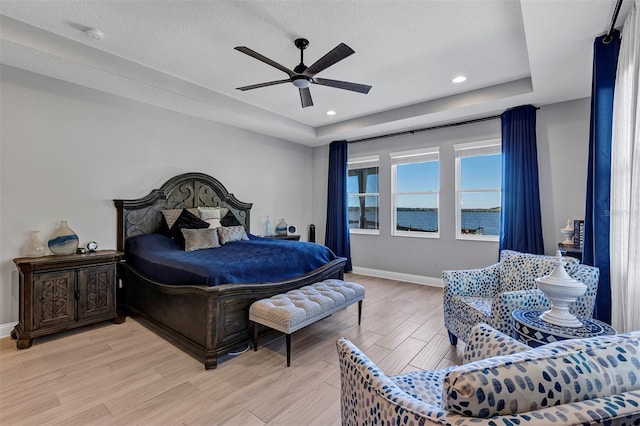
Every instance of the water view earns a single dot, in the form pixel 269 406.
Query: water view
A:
pixel 474 221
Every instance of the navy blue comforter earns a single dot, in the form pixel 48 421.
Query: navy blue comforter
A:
pixel 259 260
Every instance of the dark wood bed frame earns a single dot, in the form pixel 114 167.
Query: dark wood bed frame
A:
pixel 204 321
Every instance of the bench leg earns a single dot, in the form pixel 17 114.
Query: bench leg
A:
pixel 255 336
pixel 359 311
pixel 288 350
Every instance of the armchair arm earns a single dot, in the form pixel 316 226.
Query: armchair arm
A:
pixel 361 377
pixel 507 302
pixel 485 342
pixel 483 282
pixel 590 276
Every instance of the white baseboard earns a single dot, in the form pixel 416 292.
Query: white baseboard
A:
pixel 399 276
pixel 5 329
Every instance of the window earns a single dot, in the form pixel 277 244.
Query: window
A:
pixel 478 195
pixel 415 188
pixel 362 187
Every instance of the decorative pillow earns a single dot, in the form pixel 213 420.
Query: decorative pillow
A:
pixel 520 270
pixel 213 223
pixel 555 374
pixel 196 239
pixel 186 220
pixel 230 219
pixel 212 215
pixel 213 212
pixel 209 213
pixel 171 215
pixel 227 234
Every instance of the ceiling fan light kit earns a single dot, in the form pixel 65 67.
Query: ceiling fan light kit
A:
pixel 302 76
pixel 301 82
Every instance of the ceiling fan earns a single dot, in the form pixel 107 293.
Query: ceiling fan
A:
pixel 302 76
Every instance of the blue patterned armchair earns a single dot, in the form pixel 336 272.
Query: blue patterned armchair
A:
pixel 503 382
pixel 489 295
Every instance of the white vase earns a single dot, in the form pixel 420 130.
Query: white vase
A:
pixel 35 247
pixel 567 233
pixel 562 291
pixel 63 240
pixel 268 231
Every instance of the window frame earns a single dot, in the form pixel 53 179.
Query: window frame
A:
pixel 362 163
pixel 473 149
pixel 423 155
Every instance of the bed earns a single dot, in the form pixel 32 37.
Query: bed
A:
pixel 205 318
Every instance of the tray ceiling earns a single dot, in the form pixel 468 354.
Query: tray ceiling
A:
pixel 179 55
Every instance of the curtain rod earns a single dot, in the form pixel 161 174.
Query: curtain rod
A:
pixel 614 18
pixel 441 126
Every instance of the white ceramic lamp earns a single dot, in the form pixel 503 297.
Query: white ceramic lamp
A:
pixel 562 290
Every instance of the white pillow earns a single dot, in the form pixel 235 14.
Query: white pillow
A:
pixel 209 213
pixel 213 223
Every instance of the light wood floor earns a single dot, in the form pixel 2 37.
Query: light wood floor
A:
pixel 125 374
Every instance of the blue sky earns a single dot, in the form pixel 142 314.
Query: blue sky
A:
pixel 481 172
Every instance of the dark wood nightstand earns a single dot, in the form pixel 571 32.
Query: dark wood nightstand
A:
pixel 63 292
pixel 284 237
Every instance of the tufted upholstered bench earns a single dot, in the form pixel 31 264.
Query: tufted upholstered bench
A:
pixel 291 311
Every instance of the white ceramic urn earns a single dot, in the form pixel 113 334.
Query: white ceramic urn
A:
pixel 562 290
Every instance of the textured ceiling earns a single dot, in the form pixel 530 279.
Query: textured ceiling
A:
pixel 179 55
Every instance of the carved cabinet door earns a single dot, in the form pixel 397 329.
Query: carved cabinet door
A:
pixel 96 291
pixel 53 299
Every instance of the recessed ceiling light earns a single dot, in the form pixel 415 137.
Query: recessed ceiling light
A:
pixel 94 33
pixel 459 79
pixel 331 112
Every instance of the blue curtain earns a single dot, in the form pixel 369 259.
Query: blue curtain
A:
pixel 521 224
pixel 595 251
pixel 337 230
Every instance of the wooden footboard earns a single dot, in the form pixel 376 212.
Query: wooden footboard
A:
pixel 205 321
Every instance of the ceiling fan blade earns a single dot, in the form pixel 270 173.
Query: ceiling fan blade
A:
pixel 305 97
pixel 337 54
pixel 268 83
pixel 354 87
pixel 264 59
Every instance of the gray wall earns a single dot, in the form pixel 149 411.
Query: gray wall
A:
pixel 66 152
pixel 563 151
pixel 562 132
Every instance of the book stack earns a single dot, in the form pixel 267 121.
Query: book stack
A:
pixel 578 233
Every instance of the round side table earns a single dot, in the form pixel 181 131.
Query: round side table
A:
pixel 530 329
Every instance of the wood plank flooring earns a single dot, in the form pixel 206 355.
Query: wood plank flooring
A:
pixel 124 374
